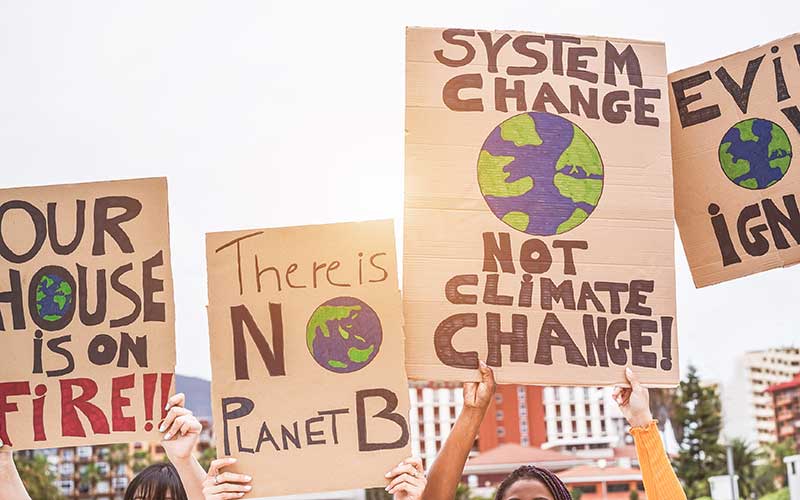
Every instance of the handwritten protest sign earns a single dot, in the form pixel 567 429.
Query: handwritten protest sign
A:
pixel 87 336
pixel 538 209
pixel 735 131
pixel 307 355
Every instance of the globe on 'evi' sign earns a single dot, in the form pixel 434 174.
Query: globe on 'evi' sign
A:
pixel 755 153
pixel 540 173
pixel 54 297
pixel 344 334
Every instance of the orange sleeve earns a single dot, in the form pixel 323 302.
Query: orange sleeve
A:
pixel 660 481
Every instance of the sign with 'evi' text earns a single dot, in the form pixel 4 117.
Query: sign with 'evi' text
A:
pixel 735 132
pixel 538 208
pixel 307 355
pixel 87 336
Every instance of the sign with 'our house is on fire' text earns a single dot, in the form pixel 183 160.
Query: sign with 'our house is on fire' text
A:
pixel 87 339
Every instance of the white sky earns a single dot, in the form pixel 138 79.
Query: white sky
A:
pixel 282 113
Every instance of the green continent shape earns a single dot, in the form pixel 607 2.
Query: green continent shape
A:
pixel 336 364
pixel 780 143
pixel 749 183
pixel 61 300
pixel 521 130
pixel 360 355
pixel 492 177
pixel 578 216
pixel 47 280
pixel 579 190
pixel 319 320
pixel 733 169
pixel 517 220
pixel 581 152
pixel 746 131
pixel 64 288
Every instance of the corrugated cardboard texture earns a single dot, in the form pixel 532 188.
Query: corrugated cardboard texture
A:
pixel 750 236
pixel 113 292
pixel 629 231
pixel 338 281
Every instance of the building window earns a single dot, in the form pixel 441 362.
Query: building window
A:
pixel 84 452
pixel 525 441
pixel 618 488
pixel 501 431
pixel 499 415
pixel 498 398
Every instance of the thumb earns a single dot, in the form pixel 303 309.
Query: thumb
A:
pixel 633 379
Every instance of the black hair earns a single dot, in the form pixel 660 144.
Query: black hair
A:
pixel 155 482
pixel 557 488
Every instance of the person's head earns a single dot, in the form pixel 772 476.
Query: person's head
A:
pixel 532 483
pixel 157 482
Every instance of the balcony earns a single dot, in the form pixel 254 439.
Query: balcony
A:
pixel 785 415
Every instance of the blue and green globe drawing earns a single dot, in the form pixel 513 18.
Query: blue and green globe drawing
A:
pixel 540 173
pixel 344 334
pixel 54 298
pixel 755 153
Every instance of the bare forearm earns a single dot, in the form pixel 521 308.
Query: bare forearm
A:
pixel 447 469
pixel 192 476
pixel 11 487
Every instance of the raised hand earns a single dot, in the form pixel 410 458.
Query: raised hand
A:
pixel 634 401
pixel 407 481
pixel 479 394
pixel 181 429
pixel 225 485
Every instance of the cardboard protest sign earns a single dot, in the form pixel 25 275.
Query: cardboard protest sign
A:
pixel 87 336
pixel 538 208
pixel 307 355
pixel 735 130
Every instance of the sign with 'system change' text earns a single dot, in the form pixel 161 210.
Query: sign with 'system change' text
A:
pixel 538 208
pixel 735 133
pixel 86 313
pixel 307 355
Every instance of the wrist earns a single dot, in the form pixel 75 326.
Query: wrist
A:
pixel 641 420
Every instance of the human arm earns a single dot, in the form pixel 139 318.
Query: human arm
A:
pixel 11 487
pixel 181 431
pixel 407 481
pixel 660 481
pixel 446 471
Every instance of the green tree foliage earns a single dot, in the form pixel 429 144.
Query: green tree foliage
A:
pixel 140 461
pixel 576 494
pixel 745 458
pixel 773 470
pixel 778 495
pixel 90 475
pixel 634 495
pixel 208 456
pixel 37 477
pixel 699 418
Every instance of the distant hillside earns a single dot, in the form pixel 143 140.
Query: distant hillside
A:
pixel 198 394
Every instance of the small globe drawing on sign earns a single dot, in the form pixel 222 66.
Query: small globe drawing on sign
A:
pixel 755 153
pixel 344 335
pixel 54 297
pixel 540 173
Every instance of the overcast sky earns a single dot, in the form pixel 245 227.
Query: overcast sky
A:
pixel 283 113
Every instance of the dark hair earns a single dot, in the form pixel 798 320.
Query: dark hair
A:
pixel 155 482
pixel 557 488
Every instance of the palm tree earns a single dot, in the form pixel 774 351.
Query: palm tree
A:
pixel 745 458
pixel 36 475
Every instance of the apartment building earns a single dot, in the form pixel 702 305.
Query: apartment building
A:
pixel 786 402
pixel 764 369
pixel 433 410
pixel 582 419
